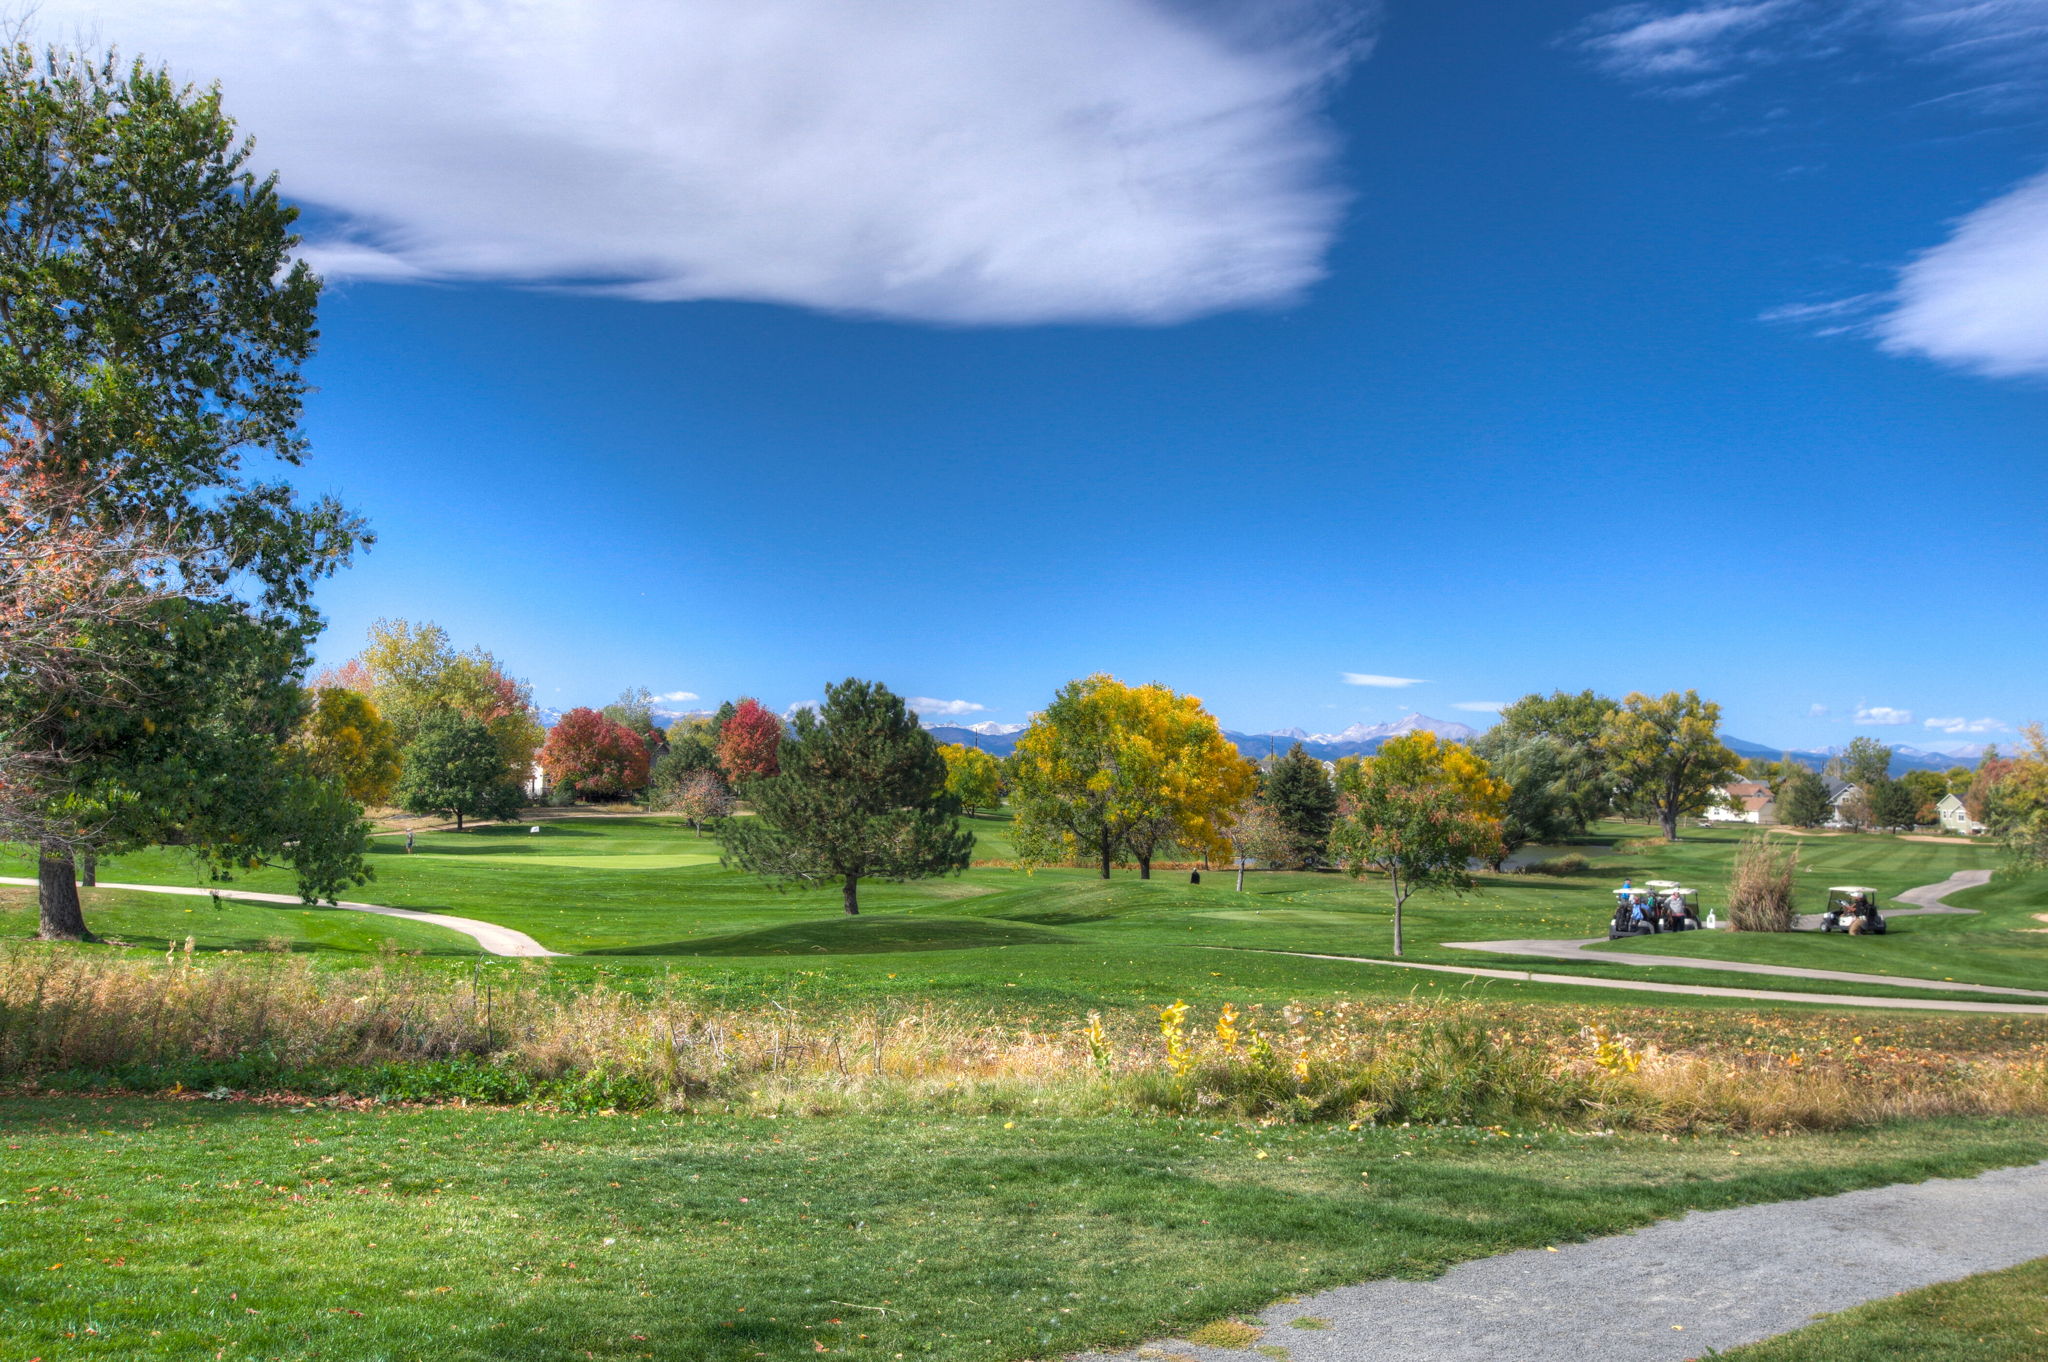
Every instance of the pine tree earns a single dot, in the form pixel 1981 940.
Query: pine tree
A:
pixel 1304 801
pixel 1803 802
pixel 859 793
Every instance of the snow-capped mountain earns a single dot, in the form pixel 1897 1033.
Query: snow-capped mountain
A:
pixel 1359 740
pixel 1409 723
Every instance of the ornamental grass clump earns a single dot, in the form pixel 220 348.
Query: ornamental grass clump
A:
pixel 1760 890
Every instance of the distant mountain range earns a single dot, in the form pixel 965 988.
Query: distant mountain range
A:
pixel 1903 758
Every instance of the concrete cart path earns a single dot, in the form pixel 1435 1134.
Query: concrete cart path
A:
pixel 1671 1291
pixel 494 940
pixel 1927 896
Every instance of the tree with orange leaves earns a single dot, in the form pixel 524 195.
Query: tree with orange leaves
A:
pixel 748 743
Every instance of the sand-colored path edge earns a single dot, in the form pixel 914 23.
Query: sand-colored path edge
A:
pixel 489 936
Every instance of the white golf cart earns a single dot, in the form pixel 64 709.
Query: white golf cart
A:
pixel 1852 909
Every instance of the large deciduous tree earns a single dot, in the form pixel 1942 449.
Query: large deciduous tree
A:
pixel 1865 762
pixel 1665 753
pixel 1418 811
pixel 345 739
pixel 1573 721
pixel 749 740
pixel 153 323
pixel 413 671
pixel 1541 806
pixel 859 794
pixel 454 767
pixel 2015 800
pixel 1109 767
pixel 591 757
pixel 972 776
pixel 1303 799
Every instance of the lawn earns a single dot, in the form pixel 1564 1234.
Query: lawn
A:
pixel 628 895
pixel 177 1229
pixel 1992 1317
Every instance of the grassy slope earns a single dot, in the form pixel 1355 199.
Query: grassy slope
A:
pixel 631 895
pixel 1992 1317
pixel 153 923
pixel 140 1229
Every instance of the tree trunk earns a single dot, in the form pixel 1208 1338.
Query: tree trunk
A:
pixel 1240 874
pixel 57 895
pixel 852 895
pixel 458 820
pixel 1144 867
pixel 1105 855
pixel 1399 899
pixel 89 872
pixel 1669 815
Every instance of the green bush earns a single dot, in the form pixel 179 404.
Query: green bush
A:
pixel 1571 863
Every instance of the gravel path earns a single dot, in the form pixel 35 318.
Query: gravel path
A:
pixel 494 940
pixel 1671 1291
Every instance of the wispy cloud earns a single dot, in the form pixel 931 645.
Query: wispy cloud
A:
pixel 1882 716
pixel 1390 682
pixel 924 704
pixel 1979 299
pixel 1966 725
pixel 1480 706
pixel 1063 160
pixel 1817 711
pixel 1676 46
pixel 677 695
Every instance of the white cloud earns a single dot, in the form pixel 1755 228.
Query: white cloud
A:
pixel 1062 160
pixel 1978 300
pixel 1391 682
pixel 924 704
pixel 1816 711
pixel 1657 43
pixel 1882 716
pixel 1480 706
pixel 1966 725
pixel 677 695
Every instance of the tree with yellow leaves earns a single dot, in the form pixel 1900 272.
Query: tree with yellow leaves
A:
pixel 1108 767
pixel 1419 811
pixel 1664 753
pixel 345 739
pixel 972 776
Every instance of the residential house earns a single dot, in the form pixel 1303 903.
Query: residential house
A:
pixel 1956 818
pixel 1839 793
pixel 1744 801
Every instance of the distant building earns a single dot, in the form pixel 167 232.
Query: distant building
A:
pixel 1955 818
pixel 1840 792
pixel 1745 801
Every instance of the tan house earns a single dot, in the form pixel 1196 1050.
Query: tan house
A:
pixel 1744 801
pixel 1955 818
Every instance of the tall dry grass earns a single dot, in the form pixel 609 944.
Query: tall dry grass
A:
pixel 273 1023
pixel 1760 888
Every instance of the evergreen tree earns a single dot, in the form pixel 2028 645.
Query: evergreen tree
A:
pixel 1803 800
pixel 859 793
pixel 454 767
pixel 1303 799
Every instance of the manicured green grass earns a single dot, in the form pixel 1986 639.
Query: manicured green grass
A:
pixel 624 896
pixel 180 1229
pixel 1992 1317
pixel 157 922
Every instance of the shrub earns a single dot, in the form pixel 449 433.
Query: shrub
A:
pixel 1760 890
pixel 1571 863
pixel 1636 846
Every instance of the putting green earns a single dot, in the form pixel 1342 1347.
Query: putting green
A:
pixel 643 860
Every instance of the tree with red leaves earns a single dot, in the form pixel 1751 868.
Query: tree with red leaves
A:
pixel 748 743
pixel 593 758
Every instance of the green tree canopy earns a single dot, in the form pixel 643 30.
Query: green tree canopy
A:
pixel 859 793
pixel 1866 761
pixel 1666 753
pixel 153 321
pixel 1574 721
pixel 454 767
pixel 1803 800
pixel 1418 811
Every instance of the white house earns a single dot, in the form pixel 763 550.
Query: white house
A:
pixel 1839 793
pixel 1744 801
pixel 1955 818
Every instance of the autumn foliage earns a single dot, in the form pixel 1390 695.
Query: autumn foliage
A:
pixel 749 742
pixel 591 757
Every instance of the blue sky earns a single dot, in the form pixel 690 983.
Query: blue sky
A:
pixel 1490 348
